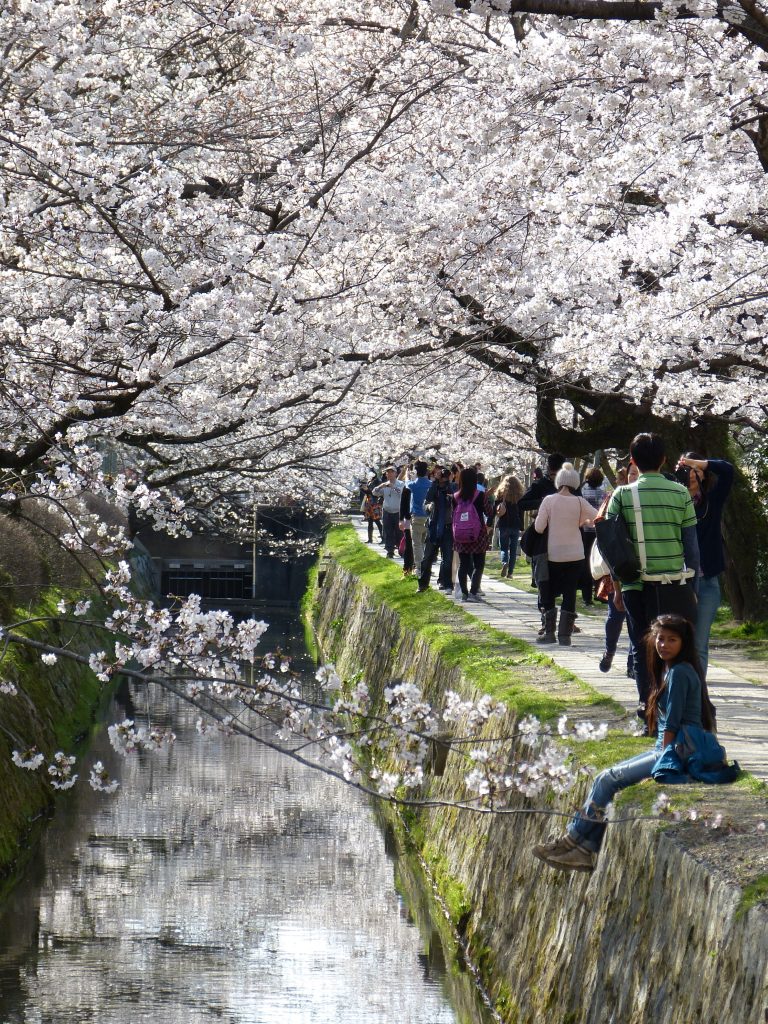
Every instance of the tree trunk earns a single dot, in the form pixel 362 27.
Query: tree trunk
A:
pixel 614 422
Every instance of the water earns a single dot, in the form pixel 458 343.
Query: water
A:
pixel 222 882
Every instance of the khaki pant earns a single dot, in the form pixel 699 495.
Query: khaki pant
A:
pixel 419 537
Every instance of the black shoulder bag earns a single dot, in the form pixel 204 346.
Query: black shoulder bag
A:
pixel 617 549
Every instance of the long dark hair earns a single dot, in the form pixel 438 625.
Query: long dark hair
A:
pixel 467 483
pixel 706 477
pixel 684 629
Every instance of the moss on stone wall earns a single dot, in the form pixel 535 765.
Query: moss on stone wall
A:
pixel 53 710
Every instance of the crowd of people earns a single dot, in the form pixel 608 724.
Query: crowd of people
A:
pixel 673 523
pixel 430 512
pixel 447 512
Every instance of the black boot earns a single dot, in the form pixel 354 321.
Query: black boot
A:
pixel 565 628
pixel 548 622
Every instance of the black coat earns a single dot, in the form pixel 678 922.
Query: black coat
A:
pixel 535 494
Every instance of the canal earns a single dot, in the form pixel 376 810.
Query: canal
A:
pixel 222 882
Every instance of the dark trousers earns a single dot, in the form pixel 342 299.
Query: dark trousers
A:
pixel 408 553
pixel 471 568
pixel 508 541
pixel 443 547
pixel 642 608
pixel 391 521
pixel 613 625
pixel 563 579
pixel 370 529
pixel 587 583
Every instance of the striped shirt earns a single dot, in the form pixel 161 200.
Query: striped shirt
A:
pixel 667 510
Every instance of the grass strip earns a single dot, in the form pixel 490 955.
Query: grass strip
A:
pixel 496 662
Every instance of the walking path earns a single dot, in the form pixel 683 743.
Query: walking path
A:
pixel 742 706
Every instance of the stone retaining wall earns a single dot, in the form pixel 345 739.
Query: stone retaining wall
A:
pixel 660 933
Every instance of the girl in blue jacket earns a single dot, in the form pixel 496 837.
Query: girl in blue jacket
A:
pixel 678 697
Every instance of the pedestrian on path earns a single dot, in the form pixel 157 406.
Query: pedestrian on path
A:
pixel 417 514
pixel 371 510
pixel 509 520
pixel 612 590
pixel 709 483
pixel 677 697
pixel 595 492
pixel 439 534
pixel 563 514
pixel 670 550
pixel 406 537
pixel 472 532
pixel 390 492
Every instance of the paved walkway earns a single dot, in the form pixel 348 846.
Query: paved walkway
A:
pixel 742 706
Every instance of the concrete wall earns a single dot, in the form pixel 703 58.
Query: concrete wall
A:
pixel 659 933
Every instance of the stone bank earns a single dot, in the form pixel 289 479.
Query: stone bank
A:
pixel 672 926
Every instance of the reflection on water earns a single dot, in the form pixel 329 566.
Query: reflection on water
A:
pixel 221 883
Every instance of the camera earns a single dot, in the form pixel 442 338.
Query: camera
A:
pixel 683 475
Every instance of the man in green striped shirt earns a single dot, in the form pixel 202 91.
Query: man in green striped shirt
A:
pixel 671 549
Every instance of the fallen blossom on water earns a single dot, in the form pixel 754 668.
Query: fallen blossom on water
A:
pixel 100 780
pixel 60 771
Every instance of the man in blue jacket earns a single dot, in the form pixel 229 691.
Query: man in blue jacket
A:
pixel 439 535
pixel 418 515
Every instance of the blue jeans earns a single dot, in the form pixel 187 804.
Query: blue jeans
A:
pixel 613 625
pixel 708 592
pixel 508 539
pixel 588 827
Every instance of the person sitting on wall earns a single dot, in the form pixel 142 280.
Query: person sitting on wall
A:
pixel 678 697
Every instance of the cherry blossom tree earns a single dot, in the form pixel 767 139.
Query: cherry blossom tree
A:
pixel 245 248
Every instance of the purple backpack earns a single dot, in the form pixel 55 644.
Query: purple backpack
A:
pixel 467 525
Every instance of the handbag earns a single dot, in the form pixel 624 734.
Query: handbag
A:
pixel 401 545
pixel 597 564
pixel 533 543
pixel 604 589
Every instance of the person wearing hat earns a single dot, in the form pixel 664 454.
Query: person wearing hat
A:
pixel 564 513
